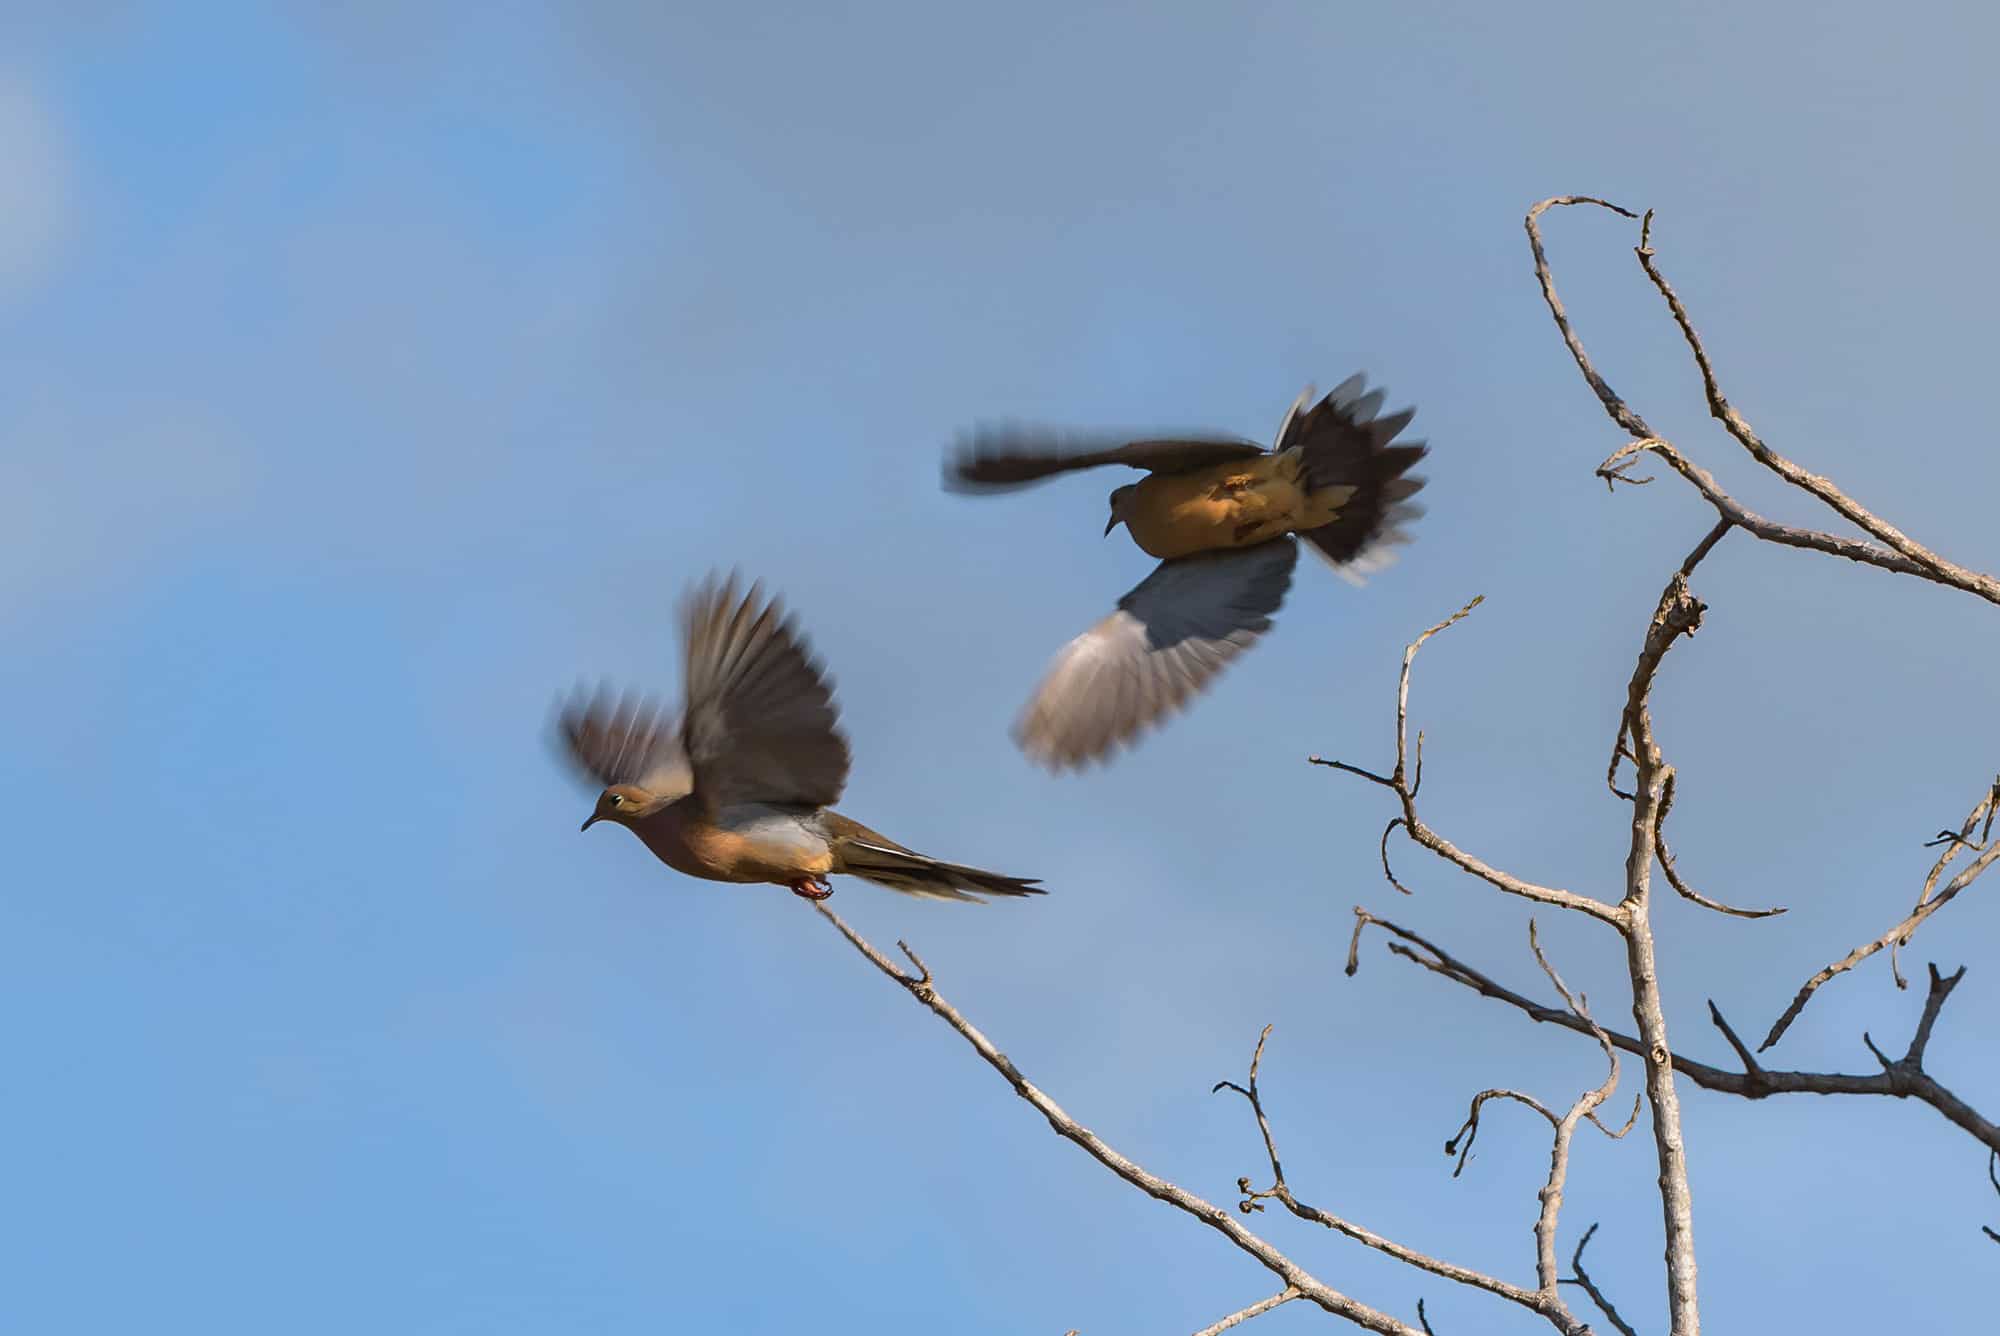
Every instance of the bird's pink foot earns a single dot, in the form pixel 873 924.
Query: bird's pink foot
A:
pixel 810 888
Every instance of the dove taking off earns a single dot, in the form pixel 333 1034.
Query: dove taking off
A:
pixel 739 787
pixel 1226 518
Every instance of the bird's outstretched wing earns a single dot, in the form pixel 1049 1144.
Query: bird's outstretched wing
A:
pixel 760 724
pixel 629 741
pixel 1168 639
pixel 1002 458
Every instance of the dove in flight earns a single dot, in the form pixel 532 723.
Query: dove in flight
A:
pixel 1225 517
pixel 739 787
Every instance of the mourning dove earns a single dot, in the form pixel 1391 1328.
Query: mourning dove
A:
pixel 738 788
pixel 1222 515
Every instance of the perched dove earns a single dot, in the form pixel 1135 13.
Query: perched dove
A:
pixel 738 788
pixel 1221 514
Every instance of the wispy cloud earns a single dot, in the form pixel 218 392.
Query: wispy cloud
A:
pixel 36 186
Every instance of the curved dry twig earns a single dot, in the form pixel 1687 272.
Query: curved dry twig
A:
pixel 1461 1141
pixel 1992 1176
pixel 1581 1278
pixel 1620 411
pixel 1686 891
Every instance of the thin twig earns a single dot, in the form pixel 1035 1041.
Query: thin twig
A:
pixel 1992 1176
pixel 1686 891
pixel 1955 844
pixel 1900 933
pixel 1243 1315
pixel 1585 1106
pixel 1578 1276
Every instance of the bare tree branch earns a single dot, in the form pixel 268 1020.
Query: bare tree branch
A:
pixel 1578 1276
pixel 1679 614
pixel 1243 1315
pixel 1398 782
pixel 1904 1082
pixel 1896 551
pixel 1739 516
pixel 1935 567
pixel 921 987
pixel 1281 1192
pixel 1927 904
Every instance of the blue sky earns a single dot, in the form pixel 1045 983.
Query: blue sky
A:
pixel 376 375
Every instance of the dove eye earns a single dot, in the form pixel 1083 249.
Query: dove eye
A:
pixel 617 800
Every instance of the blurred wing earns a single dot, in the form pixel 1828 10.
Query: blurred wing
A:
pixel 632 741
pixel 998 459
pixel 760 726
pixel 1168 639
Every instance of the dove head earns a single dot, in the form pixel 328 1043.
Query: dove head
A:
pixel 1121 506
pixel 620 803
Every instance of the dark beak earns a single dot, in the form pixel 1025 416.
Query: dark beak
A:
pixel 593 819
pixel 1111 524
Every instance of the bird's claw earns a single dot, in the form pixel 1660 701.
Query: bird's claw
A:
pixel 810 888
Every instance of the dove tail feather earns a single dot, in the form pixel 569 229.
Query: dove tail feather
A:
pixel 860 852
pixel 1342 443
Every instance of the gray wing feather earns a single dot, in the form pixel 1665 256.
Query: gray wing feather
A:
pixel 1167 641
pixel 629 741
pixel 760 724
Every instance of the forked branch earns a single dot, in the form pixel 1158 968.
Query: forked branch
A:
pixel 1928 903
pixel 1902 1080
pixel 1404 782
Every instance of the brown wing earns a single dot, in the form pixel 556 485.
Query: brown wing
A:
pixel 1002 458
pixel 629 741
pixel 1169 638
pixel 760 724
